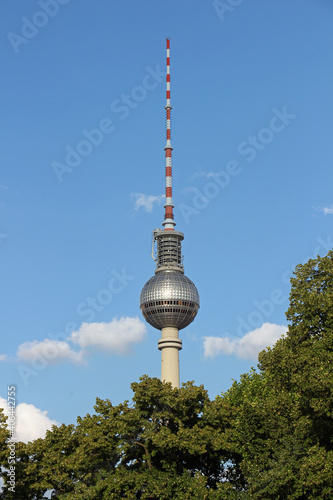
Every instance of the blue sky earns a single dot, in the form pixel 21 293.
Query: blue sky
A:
pixel 82 179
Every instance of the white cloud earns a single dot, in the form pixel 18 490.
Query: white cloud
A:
pixel 117 336
pixel 325 210
pixel 54 351
pixel 328 210
pixel 31 422
pixel 147 201
pixel 3 357
pixel 247 347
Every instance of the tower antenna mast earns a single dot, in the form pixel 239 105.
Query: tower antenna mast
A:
pixel 168 216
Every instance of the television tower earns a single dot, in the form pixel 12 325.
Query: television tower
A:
pixel 169 301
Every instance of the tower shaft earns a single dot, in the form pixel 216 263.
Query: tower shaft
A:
pixel 170 345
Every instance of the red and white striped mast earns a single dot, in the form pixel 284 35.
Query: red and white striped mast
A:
pixel 169 222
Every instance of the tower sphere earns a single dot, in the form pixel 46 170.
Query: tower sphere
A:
pixel 169 299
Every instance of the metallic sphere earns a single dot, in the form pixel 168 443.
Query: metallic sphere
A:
pixel 169 299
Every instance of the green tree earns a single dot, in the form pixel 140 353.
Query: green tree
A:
pixel 282 423
pixel 169 443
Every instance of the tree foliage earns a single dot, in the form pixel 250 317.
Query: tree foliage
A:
pixel 284 424
pixel 169 443
pixel 268 437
